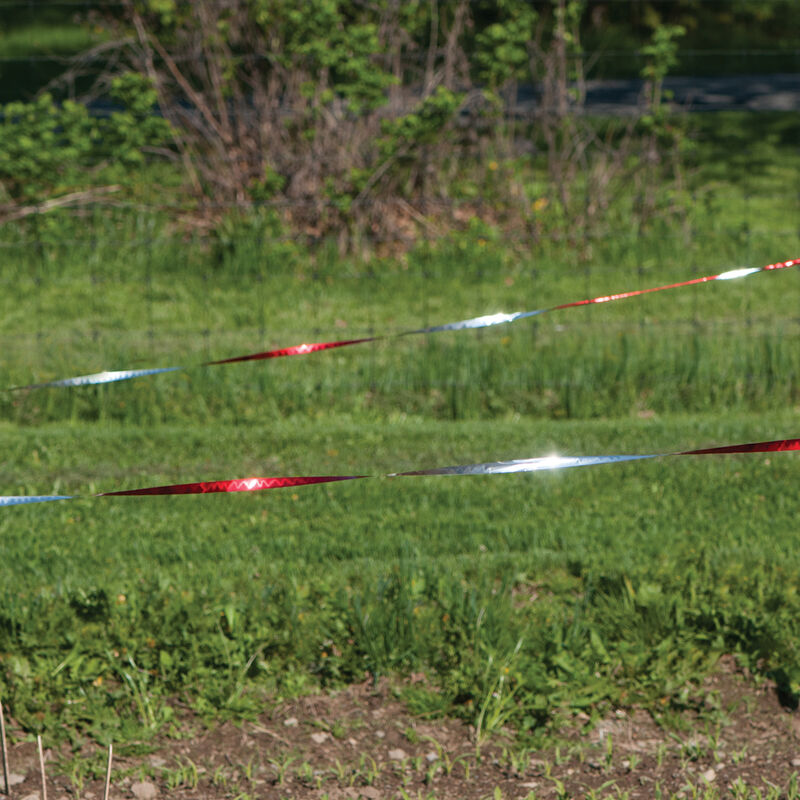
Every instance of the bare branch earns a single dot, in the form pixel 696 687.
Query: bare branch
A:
pixel 10 213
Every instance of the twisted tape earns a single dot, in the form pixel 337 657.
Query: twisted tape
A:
pixel 485 321
pixel 552 462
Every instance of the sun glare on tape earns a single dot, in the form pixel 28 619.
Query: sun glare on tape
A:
pixel 533 464
pixel 485 321
pixel 732 274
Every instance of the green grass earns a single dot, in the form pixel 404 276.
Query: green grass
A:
pixel 638 574
pixel 694 349
pixel 37 39
pixel 118 289
pixel 524 597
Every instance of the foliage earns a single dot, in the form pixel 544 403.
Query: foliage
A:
pixel 501 48
pixel 423 126
pixel 359 119
pixel 352 119
pixel 45 147
pixel 326 37
pixel 661 55
pixel 39 141
pixel 129 133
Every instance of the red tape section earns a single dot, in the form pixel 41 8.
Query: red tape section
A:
pixel 608 298
pixel 297 350
pixel 236 485
pixel 778 446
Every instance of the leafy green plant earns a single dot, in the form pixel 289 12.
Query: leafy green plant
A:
pixel 501 48
pixel 41 143
pixel 499 702
pixel 47 147
pixel 129 134
pixel 661 56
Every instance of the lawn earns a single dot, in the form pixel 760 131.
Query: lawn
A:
pixel 525 599
pixel 641 574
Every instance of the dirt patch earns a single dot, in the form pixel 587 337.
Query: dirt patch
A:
pixel 363 742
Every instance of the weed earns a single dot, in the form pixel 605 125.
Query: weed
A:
pixel 412 737
pixel 404 795
pixel 368 769
pixel 305 772
pixel 220 778
pixel 559 788
pixel 184 774
pixel 280 767
pixel 342 773
pixel 518 759
pixel 498 703
pixel 595 793
pixel 738 756
pixel 609 756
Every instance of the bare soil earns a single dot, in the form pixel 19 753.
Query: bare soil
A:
pixel 362 742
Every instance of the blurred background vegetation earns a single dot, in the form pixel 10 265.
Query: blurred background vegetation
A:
pixel 364 122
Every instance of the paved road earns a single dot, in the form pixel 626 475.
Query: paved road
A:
pixel 739 93
pixel 622 97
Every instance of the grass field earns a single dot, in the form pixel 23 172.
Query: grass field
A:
pixel 524 598
pixel 620 583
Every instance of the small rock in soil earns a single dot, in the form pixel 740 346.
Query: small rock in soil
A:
pixel 14 779
pixel 709 775
pixel 144 790
pixel 291 722
pixel 397 754
pixel 319 737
